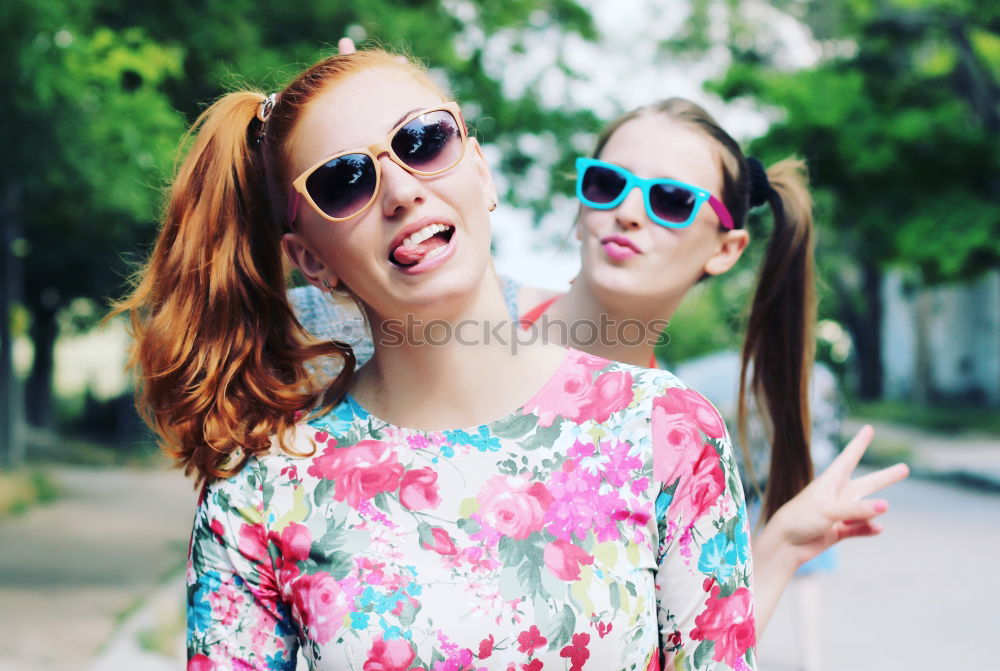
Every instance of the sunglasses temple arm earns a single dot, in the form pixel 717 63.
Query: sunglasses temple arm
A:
pixel 721 212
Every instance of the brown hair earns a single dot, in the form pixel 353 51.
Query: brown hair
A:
pixel 779 339
pixel 223 364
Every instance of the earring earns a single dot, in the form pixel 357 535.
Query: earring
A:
pixel 493 205
pixel 326 283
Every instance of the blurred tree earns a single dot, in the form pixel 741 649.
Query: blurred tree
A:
pixel 899 122
pixel 99 91
pixel 87 134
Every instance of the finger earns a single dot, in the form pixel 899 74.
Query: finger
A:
pixel 858 530
pixel 872 482
pixel 345 45
pixel 848 459
pixel 858 510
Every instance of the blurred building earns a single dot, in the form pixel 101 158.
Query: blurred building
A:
pixel 942 343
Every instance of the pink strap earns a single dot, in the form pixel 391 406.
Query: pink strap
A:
pixel 532 315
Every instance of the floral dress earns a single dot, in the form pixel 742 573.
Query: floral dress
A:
pixel 600 526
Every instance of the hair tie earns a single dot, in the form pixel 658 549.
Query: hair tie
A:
pixel 760 185
pixel 266 107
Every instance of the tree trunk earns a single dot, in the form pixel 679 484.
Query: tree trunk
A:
pixel 922 366
pixel 40 401
pixel 11 395
pixel 868 336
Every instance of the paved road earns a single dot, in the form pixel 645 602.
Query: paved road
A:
pixel 926 595
pixel 71 569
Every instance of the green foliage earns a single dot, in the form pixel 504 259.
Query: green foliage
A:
pixel 901 135
pixel 104 88
pixel 87 133
pixel 99 92
pixel 710 319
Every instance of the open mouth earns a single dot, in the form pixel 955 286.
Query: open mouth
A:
pixel 422 245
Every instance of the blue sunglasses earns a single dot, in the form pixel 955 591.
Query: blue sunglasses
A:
pixel 603 186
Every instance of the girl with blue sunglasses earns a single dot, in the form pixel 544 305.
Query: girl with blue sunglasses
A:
pixel 647 238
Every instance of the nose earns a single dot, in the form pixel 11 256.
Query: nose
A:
pixel 631 212
pixel 401 189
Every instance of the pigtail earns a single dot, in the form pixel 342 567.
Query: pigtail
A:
pixel 220 356
pixel 779 343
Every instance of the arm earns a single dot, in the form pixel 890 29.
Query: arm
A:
pixel 704 575
pixel 831 508
pixel 235 615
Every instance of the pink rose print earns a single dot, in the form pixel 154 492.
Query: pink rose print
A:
pixel 361 471
pixel 225 604
pixel 200 663
pixel 676 441
pixel 443 544
pixel 611 392
pixel 530 640
pixel 533 665
pixel 321 605
pixel 252 544
pixel 486 647
pixel 513 505
pixel 418 489
pixel 577 652
pixel 568 392
pixel 678 401
pixel 654 661
pixel 393 655
pixel 564 559
pixel 217 528
pixel 697 493
pixel 295 542
pixel 729 622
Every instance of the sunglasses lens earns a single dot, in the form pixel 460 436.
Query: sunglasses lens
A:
pixel 430 143
pixel 671 202
pixel 602 185
pixel 344 185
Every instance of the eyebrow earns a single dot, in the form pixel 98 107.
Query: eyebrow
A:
pixel 403 118
pixel 398 121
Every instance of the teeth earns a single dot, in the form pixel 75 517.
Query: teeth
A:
pixel 423 234
pixel 434 252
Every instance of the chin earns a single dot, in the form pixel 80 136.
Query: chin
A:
pixel 454 284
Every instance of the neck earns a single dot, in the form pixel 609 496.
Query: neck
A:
pixel 454 369
pixel 607 324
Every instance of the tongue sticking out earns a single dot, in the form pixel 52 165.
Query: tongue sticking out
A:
pixel 413 254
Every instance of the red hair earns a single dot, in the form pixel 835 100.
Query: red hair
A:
pixel 222 362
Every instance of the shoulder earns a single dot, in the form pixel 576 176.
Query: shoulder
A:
pixel 661 388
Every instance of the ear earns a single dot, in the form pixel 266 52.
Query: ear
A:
pixel 312 268
pixel 577 228
pixel 731 246
pixel 489 189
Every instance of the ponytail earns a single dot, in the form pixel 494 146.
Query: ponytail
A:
pixel 779 340
pixel 220 355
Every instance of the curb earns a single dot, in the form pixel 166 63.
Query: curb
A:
pixel 163 611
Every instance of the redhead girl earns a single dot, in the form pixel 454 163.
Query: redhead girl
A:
pixel 448 506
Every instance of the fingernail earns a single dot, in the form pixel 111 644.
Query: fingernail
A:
pixel 881 506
